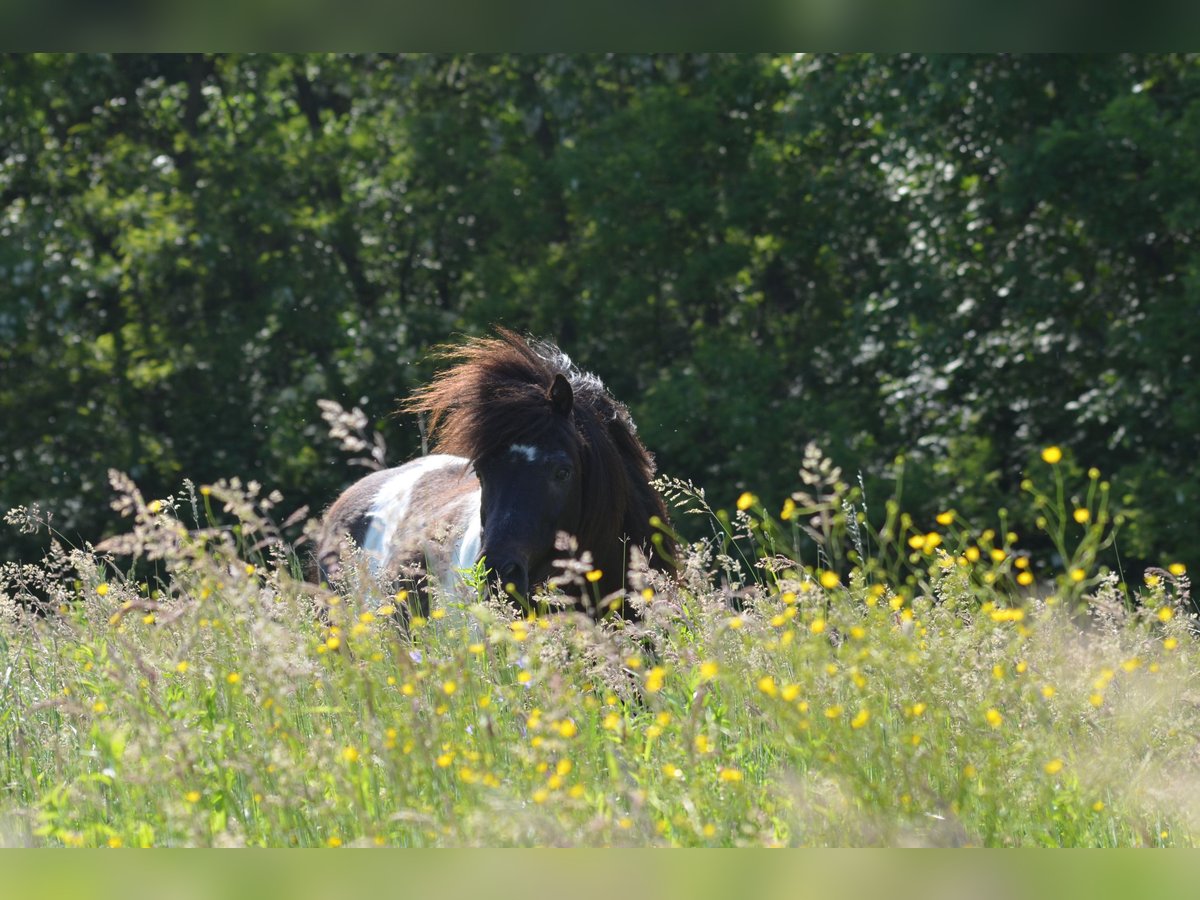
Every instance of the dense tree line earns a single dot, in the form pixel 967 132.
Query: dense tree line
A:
pixel 959 258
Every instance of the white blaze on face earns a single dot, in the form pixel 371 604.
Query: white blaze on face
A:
pixel 529 453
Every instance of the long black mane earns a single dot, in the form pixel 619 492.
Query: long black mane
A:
pixel 494 395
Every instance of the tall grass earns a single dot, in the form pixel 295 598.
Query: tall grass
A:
pixel 805 680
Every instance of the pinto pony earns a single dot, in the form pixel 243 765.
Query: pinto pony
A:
pixel 527 446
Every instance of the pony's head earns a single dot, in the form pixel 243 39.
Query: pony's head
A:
pixel 530 490
pixel 553 451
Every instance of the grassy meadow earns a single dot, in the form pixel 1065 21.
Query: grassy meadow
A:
pixel 804 680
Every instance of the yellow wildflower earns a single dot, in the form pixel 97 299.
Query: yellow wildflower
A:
pixel 1052 455
pixel 654 679
pixel 994 718
pixel 745 501
pixel 1054 766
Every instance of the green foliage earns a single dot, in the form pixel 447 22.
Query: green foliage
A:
pixel 958 258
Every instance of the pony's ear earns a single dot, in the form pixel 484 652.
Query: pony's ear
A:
pixel 560 395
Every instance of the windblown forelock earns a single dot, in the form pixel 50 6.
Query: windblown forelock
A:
pixel 494 395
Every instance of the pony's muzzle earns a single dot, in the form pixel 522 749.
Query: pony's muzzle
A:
pixel 513 579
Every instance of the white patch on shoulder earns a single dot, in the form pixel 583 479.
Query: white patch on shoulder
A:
pixel 392 503
pixel 468 546
pixel 530 453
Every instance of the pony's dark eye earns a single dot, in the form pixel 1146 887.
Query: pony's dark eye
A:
pixel 562 473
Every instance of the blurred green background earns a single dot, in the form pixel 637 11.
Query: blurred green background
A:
pixel 958 258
